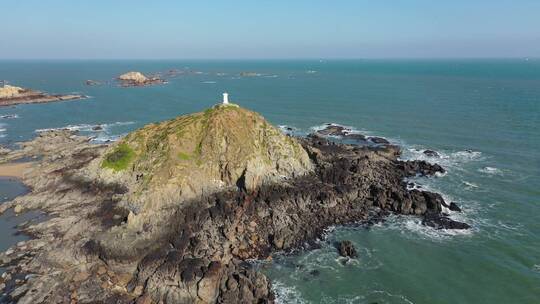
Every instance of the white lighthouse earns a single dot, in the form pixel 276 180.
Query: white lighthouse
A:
pixel 225 98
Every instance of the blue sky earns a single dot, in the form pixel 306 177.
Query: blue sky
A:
pixel 269 29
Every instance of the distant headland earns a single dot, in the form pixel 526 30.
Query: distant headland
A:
pixel 13 95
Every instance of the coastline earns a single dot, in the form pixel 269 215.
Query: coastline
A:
pixel 99 248
pixel 39 98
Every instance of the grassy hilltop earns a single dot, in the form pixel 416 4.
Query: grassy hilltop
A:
pixel 190 155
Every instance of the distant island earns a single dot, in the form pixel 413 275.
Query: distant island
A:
pixel 173 212
pixel 12 95
pixel 137 79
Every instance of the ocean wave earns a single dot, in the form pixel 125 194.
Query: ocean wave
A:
pixel 102 138
pixel 9 116
pixel 490 171
pixel 88 127
pixel 470 185
pixel 451 161
pixel 411 226
pixel 287 294
pixel 370 297
pixel 209 82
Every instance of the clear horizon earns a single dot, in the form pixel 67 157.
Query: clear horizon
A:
pixel 244 30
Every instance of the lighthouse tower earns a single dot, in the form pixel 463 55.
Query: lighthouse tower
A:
pixel 225 98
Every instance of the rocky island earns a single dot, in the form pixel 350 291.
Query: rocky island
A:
pixel 12 95
pixel 173 212
pixel 138 79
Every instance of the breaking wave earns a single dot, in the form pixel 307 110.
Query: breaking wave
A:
pixel 287 294
pixel 88 127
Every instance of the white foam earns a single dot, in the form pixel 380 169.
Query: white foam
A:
pixel 372 296
pixel 449 160
pixel 347 129
pixel 286 294
pixel 470 185
pixel 408 223
pixel 102 138
pixel 88 127
pixel 209 82
pixel 490 171
pixel 9 116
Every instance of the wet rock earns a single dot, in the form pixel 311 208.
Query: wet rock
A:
pixel 340 131
pixel 439 221
pixel 97 128
pixel 347 249
pixel 423 168
pixel 92 82
pixel 378 140
pixel 431 153
pixel 454 207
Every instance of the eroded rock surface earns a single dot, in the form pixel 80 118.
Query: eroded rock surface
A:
pixel 193 249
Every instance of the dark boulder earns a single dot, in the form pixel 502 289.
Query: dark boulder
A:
pixel 332 130
pixel 346 249
pixel 421 167
pixel 454 207
pixel 378 140
pixel 431 153
pixel 355 136
pixel 439 221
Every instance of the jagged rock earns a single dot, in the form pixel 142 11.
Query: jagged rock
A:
pixel 431 153
pixel 454 207
pixel 378 140
pixel 340 131
pixel 347 249
pixel 439 221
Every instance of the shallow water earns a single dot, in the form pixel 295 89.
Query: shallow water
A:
pixel 482 116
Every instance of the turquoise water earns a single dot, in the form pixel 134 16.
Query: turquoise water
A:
pixel 490 108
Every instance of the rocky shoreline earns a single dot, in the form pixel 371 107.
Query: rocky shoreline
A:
pixel 198 251
pixel 15 95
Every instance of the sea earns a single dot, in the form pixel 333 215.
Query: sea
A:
pixel 481 116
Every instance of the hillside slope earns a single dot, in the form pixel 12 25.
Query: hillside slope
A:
pixel 197 154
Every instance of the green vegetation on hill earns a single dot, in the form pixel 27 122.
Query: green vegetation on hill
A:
pixel 119 158
pixel 200 152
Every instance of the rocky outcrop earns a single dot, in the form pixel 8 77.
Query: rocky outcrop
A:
pixel 12 95
pixel 135 79
pixel 194 249
pixel 193 155
pixel 347 249
pixel 8 91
